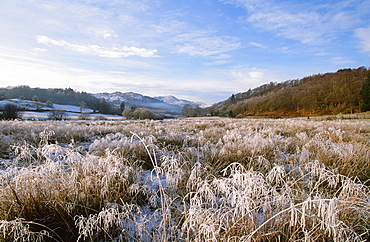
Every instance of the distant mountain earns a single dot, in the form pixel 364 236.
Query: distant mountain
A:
pixel 130 98
pixel 135 99
pixel 173 100
pixel 180 102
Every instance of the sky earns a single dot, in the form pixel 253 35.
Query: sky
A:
pixel 199 50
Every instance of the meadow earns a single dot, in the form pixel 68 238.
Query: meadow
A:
pixel 211 179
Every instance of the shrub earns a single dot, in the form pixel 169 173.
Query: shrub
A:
pixel 11 111
pixel 84 116
pixel 139 113
pixel 100 117
pixel 57 114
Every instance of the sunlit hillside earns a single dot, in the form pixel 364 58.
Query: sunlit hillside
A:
pixel 320 94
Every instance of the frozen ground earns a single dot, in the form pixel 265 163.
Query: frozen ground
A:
pixel 209 179
pixel 72 112
pixel 69 115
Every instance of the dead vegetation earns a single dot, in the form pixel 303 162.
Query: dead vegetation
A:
pixel 185 180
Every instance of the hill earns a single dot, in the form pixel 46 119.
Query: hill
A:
pixel 173 100
pixel 61 96
pixel 163 106
pixel 137 100
pixel 180 102
pixel 320 94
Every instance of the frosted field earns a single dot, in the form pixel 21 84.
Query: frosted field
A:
pixel 185 180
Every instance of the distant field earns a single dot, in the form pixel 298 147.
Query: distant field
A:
pixel 68 115
pixel 209 179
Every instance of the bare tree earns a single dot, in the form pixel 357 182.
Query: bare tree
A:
pixel 191 111
pixel 11 111
pixel 57 114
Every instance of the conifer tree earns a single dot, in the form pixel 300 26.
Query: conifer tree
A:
pixel 104 106
pixel 365 95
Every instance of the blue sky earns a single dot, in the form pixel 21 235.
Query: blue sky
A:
pixel 200 50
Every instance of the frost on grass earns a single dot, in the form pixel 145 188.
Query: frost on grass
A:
pixel 185 180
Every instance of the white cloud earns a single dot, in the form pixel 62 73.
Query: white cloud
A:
pixel 340 61
pixel 104 32
pixel 36 51
pixel 363 34
pixel 297 26
pixel 251 77
pixel 257 45
pixel 202 43
pixel 305 22
pixel 110 52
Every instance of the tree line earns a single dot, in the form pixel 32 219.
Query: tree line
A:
pixel 64 96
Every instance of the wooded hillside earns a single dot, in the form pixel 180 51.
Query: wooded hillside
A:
pixel 321 94
pixel 65 96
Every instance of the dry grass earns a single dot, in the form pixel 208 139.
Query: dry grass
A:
pixel 185 180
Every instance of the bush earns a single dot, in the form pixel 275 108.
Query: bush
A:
pixel 11 111
pixel 139 113
pixel 84 116
pixel 100 117
pixel 57 114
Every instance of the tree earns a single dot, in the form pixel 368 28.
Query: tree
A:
pixel 139 113
pixel 365 95
pixel 232 98
pixel 37 101
pixel 57 114
pixel 122 106
pixel 104 106
pixel 11 111
pixel 230 114
pixel 187 110
pixel 49 104
pixel 82 106
pixel 129 112
pixel 144 113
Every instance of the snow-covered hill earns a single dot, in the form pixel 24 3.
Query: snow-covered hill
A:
pixel 173 100
pixel 180 102
pixel 166 104
pixel 127 97
pixel 33 110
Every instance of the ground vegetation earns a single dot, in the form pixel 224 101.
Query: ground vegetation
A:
pixel 210 179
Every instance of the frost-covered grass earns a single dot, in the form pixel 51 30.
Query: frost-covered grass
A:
pixel 185 180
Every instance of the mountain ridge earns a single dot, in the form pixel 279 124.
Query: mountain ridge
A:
pixel 160 104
